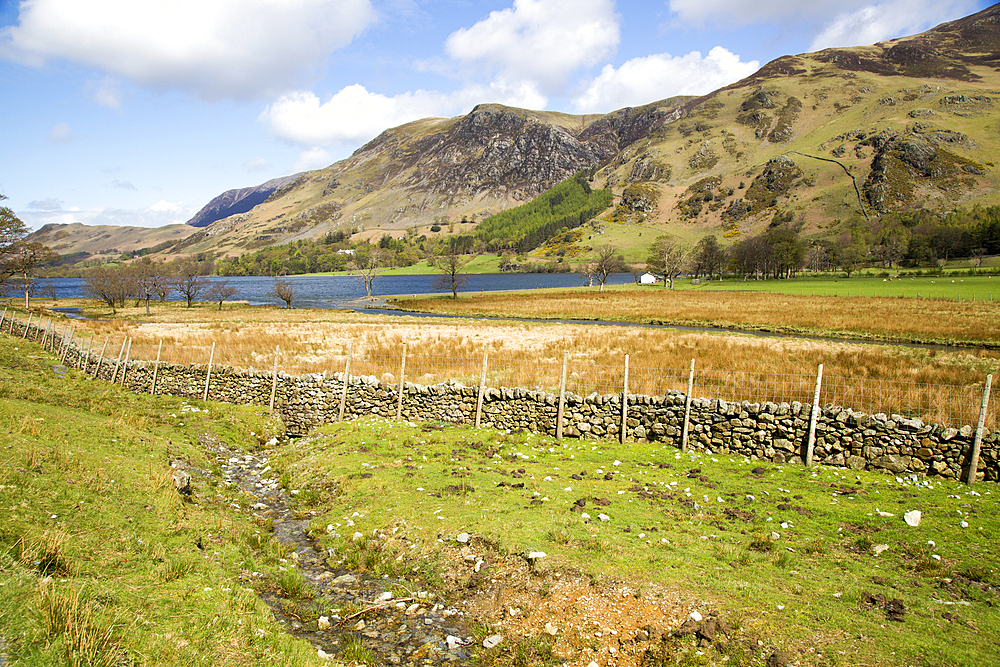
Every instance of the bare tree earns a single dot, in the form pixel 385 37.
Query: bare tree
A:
pixel 283 290
pixel 450 264
pixel 189 283
pixel 150 279
pixel 368 265
pixel 221 290
pixel 107 284
pixel 608 261
pixel 667 257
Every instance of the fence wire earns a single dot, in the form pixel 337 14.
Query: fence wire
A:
pixel 949 405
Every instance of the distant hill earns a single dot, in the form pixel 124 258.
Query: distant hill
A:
pixel 241 200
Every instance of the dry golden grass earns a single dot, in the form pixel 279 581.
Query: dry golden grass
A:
pixel 939 385
pixel 896 319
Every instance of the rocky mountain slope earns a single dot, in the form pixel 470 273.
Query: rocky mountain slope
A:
pixel 240 200
pixel 818 137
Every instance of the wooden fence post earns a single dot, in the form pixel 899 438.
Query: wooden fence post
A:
pixel 624 404
pixel 813 417
pixel 482 389
pixel 156 368
pixel 274 380
pixel 84 358
pixel 100 357
pixel 978 441
pixel 65 350
pixel 562 398
pixel 118 363
pixel 402 385
pixel 26 327
pixel 3 317
pixel 687 409
pixel 208 375
pixel 45 333
pixel 128 353
pixel 347 379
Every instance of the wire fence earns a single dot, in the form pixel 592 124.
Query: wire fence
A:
pixel 949 405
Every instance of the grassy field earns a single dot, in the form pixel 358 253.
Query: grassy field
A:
pixel 885 318
pixel 957 287
pixel 102 561
pixel 791 558
pixel 796 559
pixel 941 386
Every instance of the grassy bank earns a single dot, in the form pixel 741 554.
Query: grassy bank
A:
pixel 883 318
pixel 102 561
pixel 804 560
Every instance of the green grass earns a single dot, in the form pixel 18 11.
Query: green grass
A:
pixel 788 550
pixel 102 562
pixel 950 286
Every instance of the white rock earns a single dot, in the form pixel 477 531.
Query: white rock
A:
pixel 551 629
pixel 463 538
pixel 879 548
pixel 775 536
pixel 584 516
pixel 604 517
pixel 695 616
pixel 593 663
pixel 964 524
pixel 360 625
pixel 912 518
pixel 492 640
pixel 535 555
pixel 323 623
pixel 385 597
pixel 323 655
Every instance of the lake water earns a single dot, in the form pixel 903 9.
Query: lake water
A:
pixel 334 291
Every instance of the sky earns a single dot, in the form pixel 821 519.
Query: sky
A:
pixel 138 112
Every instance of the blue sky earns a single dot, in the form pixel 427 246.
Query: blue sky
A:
pixel 138 112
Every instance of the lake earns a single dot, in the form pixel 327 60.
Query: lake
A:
pixel 334 291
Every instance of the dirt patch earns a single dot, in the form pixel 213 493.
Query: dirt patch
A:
pixel 586 620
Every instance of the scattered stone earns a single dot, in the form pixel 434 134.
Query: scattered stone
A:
pixel 323 623
pixel 912 518
pixel 463 538
pixel 551 629
pixel 492 640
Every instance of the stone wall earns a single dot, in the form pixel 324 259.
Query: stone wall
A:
pixel 771 431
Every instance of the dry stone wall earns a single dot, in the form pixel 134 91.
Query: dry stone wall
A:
pixel 771 431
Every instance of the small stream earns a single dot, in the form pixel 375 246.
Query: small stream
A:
pixel 348 608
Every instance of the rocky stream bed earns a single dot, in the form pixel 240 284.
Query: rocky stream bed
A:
pixel 347 609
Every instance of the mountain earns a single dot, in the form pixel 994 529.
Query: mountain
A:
pixel 241 200
pixel 438 169
pixel 817 138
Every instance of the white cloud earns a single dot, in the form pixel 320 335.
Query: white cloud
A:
pixel 50 204
pixel 877 22
pixel 157 215
pixel 542 41
pixel 355 115
pixel 313 158
pixel 256 164
pixel 61 133
pixel 107 94
pixel 644 80
pixel 835 22
pixel 123 185
pixel 213 48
